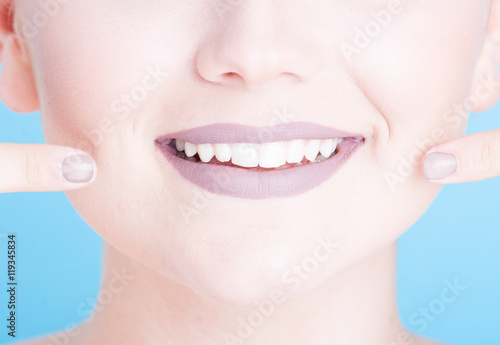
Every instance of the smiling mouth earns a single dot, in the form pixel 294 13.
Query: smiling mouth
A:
pixel 253 156
pixel 258 162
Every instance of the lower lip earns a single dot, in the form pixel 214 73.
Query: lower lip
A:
pixel 263 184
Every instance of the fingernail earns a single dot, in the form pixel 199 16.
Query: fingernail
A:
pixel 78 168
pixel 439 165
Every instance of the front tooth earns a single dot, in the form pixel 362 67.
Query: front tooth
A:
pixel 335 143
pixel 312 149
pixel 190 149
pixel 223 152
pixel 326 147
pixel 179 144
pixel 295 151
pixel 206 152
pixel 272 155
pixel 245 155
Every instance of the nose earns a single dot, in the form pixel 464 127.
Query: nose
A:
pixel 256 43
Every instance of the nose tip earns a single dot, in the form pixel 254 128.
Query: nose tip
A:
pixel 251 66
pixel 254 47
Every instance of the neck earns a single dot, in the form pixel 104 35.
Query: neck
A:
pixel 138 305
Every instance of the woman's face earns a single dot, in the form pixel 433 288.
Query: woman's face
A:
pixel 114 76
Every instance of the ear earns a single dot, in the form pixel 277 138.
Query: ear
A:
pixel 17 87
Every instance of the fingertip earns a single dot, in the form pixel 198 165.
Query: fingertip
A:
pixel 474 157
pixel 79 168
pixel 439 166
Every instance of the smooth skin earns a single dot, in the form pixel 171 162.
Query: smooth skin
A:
pixel 31 166
pixel 290 47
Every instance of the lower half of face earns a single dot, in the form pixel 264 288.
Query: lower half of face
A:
pixel 389 76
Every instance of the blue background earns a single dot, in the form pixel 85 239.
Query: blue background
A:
pixel 59 256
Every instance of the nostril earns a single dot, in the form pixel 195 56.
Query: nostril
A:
pixel 231 77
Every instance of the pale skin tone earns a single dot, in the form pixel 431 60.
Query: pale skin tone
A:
pixel 188 280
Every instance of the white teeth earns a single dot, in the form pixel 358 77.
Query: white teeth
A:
pixel 312 149
pixel 267 155
pixel 245 155
pixel 295 151
pixel 223 152
pixel 206 152
pixel 190 149
pixel 326 147
pixel 179 145
pixel 272 155
pixel 336 143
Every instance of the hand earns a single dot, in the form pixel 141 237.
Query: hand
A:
pixel 43 167
pixel 470 158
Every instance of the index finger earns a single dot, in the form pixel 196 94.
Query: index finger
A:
pixel 43 167
pixel 471 158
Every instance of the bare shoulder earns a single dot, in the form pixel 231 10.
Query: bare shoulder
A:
pixel 52 339
pixel 407 337
pixel 37 341
pixel 423 341
pixel 412 339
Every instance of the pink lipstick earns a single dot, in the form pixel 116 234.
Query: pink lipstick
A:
pixel 258 162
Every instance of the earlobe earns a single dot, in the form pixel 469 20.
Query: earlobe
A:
pixel 486 83
pixel 17 87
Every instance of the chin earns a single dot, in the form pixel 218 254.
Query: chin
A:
pixel 244 271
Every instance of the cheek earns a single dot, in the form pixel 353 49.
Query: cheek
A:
pixel 95 89
pixel 418 73
pixel 96 73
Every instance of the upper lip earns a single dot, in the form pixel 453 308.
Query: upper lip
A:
pixel 237 133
